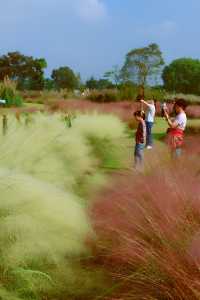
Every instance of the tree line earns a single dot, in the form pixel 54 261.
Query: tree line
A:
pixel 142 67
pixel 29 73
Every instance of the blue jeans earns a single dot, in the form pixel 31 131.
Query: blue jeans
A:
pixel 149 126
pixel 176 153
pixel 139 154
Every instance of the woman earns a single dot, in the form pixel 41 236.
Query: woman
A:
pixel 150 118
pixel 177 127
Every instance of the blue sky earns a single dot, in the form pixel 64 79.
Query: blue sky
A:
pixel 91 36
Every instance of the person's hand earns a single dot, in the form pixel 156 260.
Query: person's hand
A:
pixel 142 100
pixel 166 113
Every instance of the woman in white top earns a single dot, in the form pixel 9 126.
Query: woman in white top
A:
pixel 177 127
pixel 150 117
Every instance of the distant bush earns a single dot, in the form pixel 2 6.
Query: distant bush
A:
pixel 155 93
pixel 8 92
pixel 125 92
pixel 191 99
pixel 47 96
pixel 103 96
pixel 128 92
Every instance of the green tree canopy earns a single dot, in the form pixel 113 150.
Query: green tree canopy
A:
pixel 27 71
pixel 48 84
pixel 64 77
pixel 100 84
pixel 92 83
pixel 142 64
pixel 114 75
pixel 182 76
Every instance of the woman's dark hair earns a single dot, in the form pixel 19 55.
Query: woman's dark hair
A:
pixel 181 103
pixel 139 113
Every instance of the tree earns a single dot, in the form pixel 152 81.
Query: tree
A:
pixel 48 84
pixel 64 77
pixel 100 84
pixel 114 75
pixel 25 70
pixel 142 64
pixel 104 84
pixel 183 76
pixel 92 83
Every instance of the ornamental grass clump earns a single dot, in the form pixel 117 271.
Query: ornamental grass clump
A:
pixel 106 138
pixel 8 92
pixel 43 229
pixel 47 171
pixel 147 230
pixel 62 156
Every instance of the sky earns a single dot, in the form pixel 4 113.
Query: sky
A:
pixel 91 36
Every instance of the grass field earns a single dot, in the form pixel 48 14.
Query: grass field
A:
pixel 53 178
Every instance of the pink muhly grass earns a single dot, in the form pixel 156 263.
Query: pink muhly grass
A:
pixel 123 110
pixel 192 145
pixel 148 231
pixel 193 111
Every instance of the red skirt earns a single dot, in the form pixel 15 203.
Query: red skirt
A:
pixel 175 138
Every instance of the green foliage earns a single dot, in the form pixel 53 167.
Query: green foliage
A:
pixel 128 91
pixel 48 84
pixel 125 92
pixel 92 83
pixel 114 75
pixel 183 76
pixel 103 96
pixel 157 94
pixel 64 78
pixel 9 93
pixel 101 84
pixel 143 64
pixel 27 71
pixel 191 99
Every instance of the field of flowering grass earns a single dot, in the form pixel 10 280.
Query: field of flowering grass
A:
pixel 77 222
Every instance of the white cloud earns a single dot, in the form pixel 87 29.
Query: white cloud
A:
pixel 87 10
pixel 90 10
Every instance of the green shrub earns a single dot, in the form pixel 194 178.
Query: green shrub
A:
pixel 49 96
pixel 191 99
pixel 9 93
pixel 154 93
pixel 128 92
pixel 103 96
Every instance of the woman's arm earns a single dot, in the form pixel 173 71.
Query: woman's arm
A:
pixel 146 103
pixel 172 124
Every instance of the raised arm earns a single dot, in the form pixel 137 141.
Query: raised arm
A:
pixel 146 103
pixel 172 124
